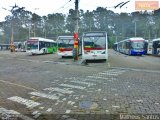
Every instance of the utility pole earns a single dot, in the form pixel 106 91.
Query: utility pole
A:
pixel 135 29
pixel 77 16
pixel 75 51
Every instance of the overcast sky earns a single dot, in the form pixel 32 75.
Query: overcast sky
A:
pixel 45 7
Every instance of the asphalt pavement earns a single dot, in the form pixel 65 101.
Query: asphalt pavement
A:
pixel 43 87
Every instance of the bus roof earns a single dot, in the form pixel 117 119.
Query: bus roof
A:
pixel 116 43
pixel 157 39
pixel 133 39
pixel 136 38
pixel 65 37
pixel 41 39
pixel 94 33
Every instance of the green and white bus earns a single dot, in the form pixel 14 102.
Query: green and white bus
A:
pixel 38 45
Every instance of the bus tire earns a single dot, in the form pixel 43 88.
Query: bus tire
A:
pixel 129 53
pixel 53 51
pixel 44 51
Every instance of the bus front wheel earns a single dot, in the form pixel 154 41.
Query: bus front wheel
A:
pixel 44 51
pixel 129 53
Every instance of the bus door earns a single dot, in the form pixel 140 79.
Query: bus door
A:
pixel 156 47
pixel 149 48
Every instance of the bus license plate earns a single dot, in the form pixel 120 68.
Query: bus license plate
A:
pixel 94 55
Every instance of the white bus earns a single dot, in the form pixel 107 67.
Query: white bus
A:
pixel 65 46
pixel 37 45
pixel 95 45
pixel 148 47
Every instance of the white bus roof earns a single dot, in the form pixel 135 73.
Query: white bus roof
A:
pixel 41 39
pixel 136 38
pixel 116 43
pixel 157 39
pixel 133 39
pixel 64 37
pixel 94 33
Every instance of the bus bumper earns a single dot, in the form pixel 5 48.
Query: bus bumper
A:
pixel 94 57
pixel 65 54
pixel 137 53
pixel 33 52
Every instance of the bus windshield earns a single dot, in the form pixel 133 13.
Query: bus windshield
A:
pixel 137 45
pixel 32 45
pixel 66 43
pixel 95 43
pixel 156 44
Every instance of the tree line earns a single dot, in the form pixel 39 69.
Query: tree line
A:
pixel 26 24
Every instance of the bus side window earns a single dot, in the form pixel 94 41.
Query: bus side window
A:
pixel 54 44
pixel 48 44
pixel 42 45
pixel 45 44
pixel 127 45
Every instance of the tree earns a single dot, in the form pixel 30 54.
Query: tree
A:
pixel 17 21
pixel 88 21
pixel 55 24
pixel 70 23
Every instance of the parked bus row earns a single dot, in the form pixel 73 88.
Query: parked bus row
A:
pixel 138 46
pixel 91 45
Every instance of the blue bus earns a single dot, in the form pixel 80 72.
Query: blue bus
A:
pixel 132 46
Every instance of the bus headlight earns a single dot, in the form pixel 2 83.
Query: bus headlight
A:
pixel 85 52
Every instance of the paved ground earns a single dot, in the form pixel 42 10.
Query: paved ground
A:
pixel 44 87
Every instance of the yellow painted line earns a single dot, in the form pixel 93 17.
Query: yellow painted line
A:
pixel 14 84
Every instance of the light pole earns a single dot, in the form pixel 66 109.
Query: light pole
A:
pixel 135 27
pixel 34 30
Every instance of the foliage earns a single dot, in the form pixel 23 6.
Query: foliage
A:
pixel 118 26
